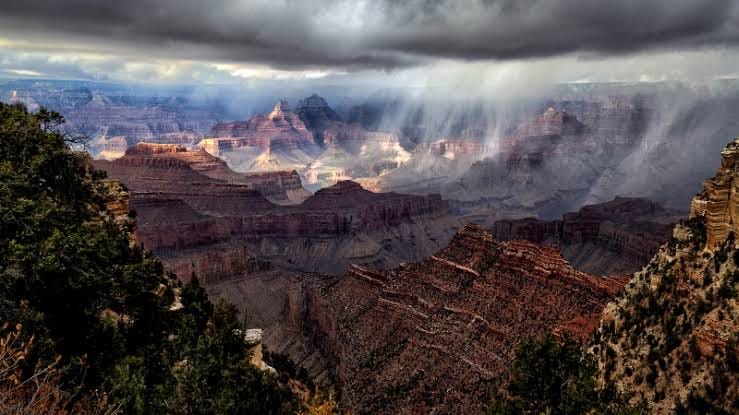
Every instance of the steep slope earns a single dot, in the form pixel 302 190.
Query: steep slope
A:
pixel 282 187
pixel 311 139
pixel 430 165
pixel 91 323
pixel 345 224
pixel 671 338
pixel 546 165
pixel 616 237
pixel 197 214
pixel 317 115
pixel 436 336
pixel 276 141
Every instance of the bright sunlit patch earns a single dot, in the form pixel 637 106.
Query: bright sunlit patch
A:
pixel 24 72
pixel 264 72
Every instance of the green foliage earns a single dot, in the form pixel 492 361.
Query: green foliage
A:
pixel 554 377
pixel 697 226
pixel 287 368
pixel 69 274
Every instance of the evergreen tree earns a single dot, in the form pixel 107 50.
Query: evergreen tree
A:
pixel 71 277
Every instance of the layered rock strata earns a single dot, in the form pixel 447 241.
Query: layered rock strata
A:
pixel 311 139
pixel 719 201
pixel 155 167
pixel 437 336
pixel 670 341
pixel 616 237
pixel 190 207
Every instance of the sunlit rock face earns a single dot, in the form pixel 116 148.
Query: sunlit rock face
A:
pixel 310 139
pixel 429 165
pixel 719 201
pixel 200 168
pixel 276 141
pixel 198 215
pixel 612 238
pixel 438 335
pixel 352 152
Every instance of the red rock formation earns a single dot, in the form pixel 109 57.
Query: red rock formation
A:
pixel 675 324
pixel 438 336
pixel 312 140
pixel 719 201
pixel 547 126
pixel 451 148
pixel 278 186
pixel 616 237
pixel 188 200
pixel 216 264
pixel 175 178
pixel 280 129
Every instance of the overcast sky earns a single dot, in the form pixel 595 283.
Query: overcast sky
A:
pixel 516 43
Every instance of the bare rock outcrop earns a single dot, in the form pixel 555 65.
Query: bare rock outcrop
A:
pixel 198 215
pixel 311 139
pixel 719 201
pixel 616 237
pixel 199 168
pixel 670 340
pixel 438 336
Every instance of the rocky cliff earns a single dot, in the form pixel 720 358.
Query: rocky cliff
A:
pixel 144 162
pixel 317 115
pixel 563 158
pixel 430 165
pixel 190 205
pixel 670 340
pixel 719 201
pixel 437 336
pixel 311 139
pixel 345 224
pixel 543 129
pixel 542 168
pixel 281 129
pixel 616 237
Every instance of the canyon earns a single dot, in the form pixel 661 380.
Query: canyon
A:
pixel 384 337
pixel 543 157
pixel 670 338
pixel 343 237
pixel 611 238
pixel 192 209
pixel 545 167
pixel 311 139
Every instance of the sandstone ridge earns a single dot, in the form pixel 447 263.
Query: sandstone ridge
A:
pixel 385 336
pixel 616 237
pixel 719 201
pixel 189 204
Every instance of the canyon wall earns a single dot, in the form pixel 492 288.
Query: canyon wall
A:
pixel 669 341
pixel 190 207
pixel 437 335
pixel 616 237
pixel 719 201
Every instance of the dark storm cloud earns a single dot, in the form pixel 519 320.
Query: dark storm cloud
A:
pixel 372 34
